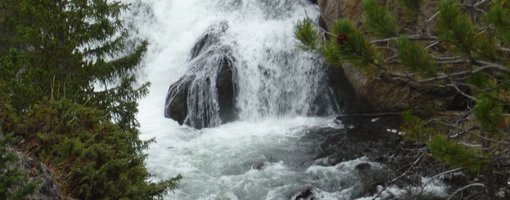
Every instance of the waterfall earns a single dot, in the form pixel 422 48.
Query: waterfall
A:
pixel 268 75
pixel 237 61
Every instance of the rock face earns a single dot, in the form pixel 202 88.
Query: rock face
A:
pixel 364 93
pixel 39 172
pixel 205 95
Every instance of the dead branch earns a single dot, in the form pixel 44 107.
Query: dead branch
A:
pixel 411 37
pixel 488 66
pixel 461 92
pixel 422 188
pixel 466 187
pixel 399 177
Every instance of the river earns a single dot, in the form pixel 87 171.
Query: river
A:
pixel 269 152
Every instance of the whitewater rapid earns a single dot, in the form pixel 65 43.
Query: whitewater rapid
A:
pixel 269 153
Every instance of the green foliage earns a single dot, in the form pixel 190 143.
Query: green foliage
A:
pixel 498 18
pixel 456 155
pixel 459 48
pixel 306 33
pixel 378 20
pixel 415 57
pixel 17 87
pixel 455 27
pixel 53 55
pixel 14 184
pixel 349 45
pixel 71 45
pixel 414 128
pixel 410 5
pixel 489 113
pixel 485 47
pixel 94 157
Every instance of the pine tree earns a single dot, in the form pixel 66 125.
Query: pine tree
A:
pixel 71 48
pixel 14 183
pixel 70 77
pixel 469 49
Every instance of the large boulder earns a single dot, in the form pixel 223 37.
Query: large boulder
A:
pixel 205 95
pixel 226 90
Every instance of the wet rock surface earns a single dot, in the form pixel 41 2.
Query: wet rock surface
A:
pixel 378 140
pixel 207 91
pixel 405 165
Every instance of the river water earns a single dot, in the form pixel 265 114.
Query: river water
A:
pixel 268 153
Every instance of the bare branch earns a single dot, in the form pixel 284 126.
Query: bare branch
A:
pixel 488 66
pixel 449 62
pixel 437 176
pixel 496 66
pixel 466 187
pixel 411 37
pixel 319 26
pixel 399 177
pixel 480 3
pixel 433 44
pixel 433 17
pixel 461 92
pixel 504 49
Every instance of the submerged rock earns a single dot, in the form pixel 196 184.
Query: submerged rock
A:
pixel 305 194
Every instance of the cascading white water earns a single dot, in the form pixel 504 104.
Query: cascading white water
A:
pixel 268 153
pixel 273 77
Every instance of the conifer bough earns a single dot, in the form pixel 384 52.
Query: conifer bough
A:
pixel 463 45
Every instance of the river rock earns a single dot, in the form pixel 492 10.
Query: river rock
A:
pixel 205 95
pixel 305 194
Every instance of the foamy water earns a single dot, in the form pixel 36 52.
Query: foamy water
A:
pixel 265 154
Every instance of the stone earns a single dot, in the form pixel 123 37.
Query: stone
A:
pixel 39 172
pixel 205 96
pixel 305 194
pixel 363 167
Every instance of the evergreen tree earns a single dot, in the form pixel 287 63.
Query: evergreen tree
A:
pixel 71 47
pixel 14 184
pixel 70 77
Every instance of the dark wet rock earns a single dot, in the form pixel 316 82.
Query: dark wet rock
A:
pixel 258 165
pixel 210 38
pixel 345 92
pixel 305 194
pixel 226 90
pixel 363 166
pixel 362 137
pixel 205 96
pixel 177 100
